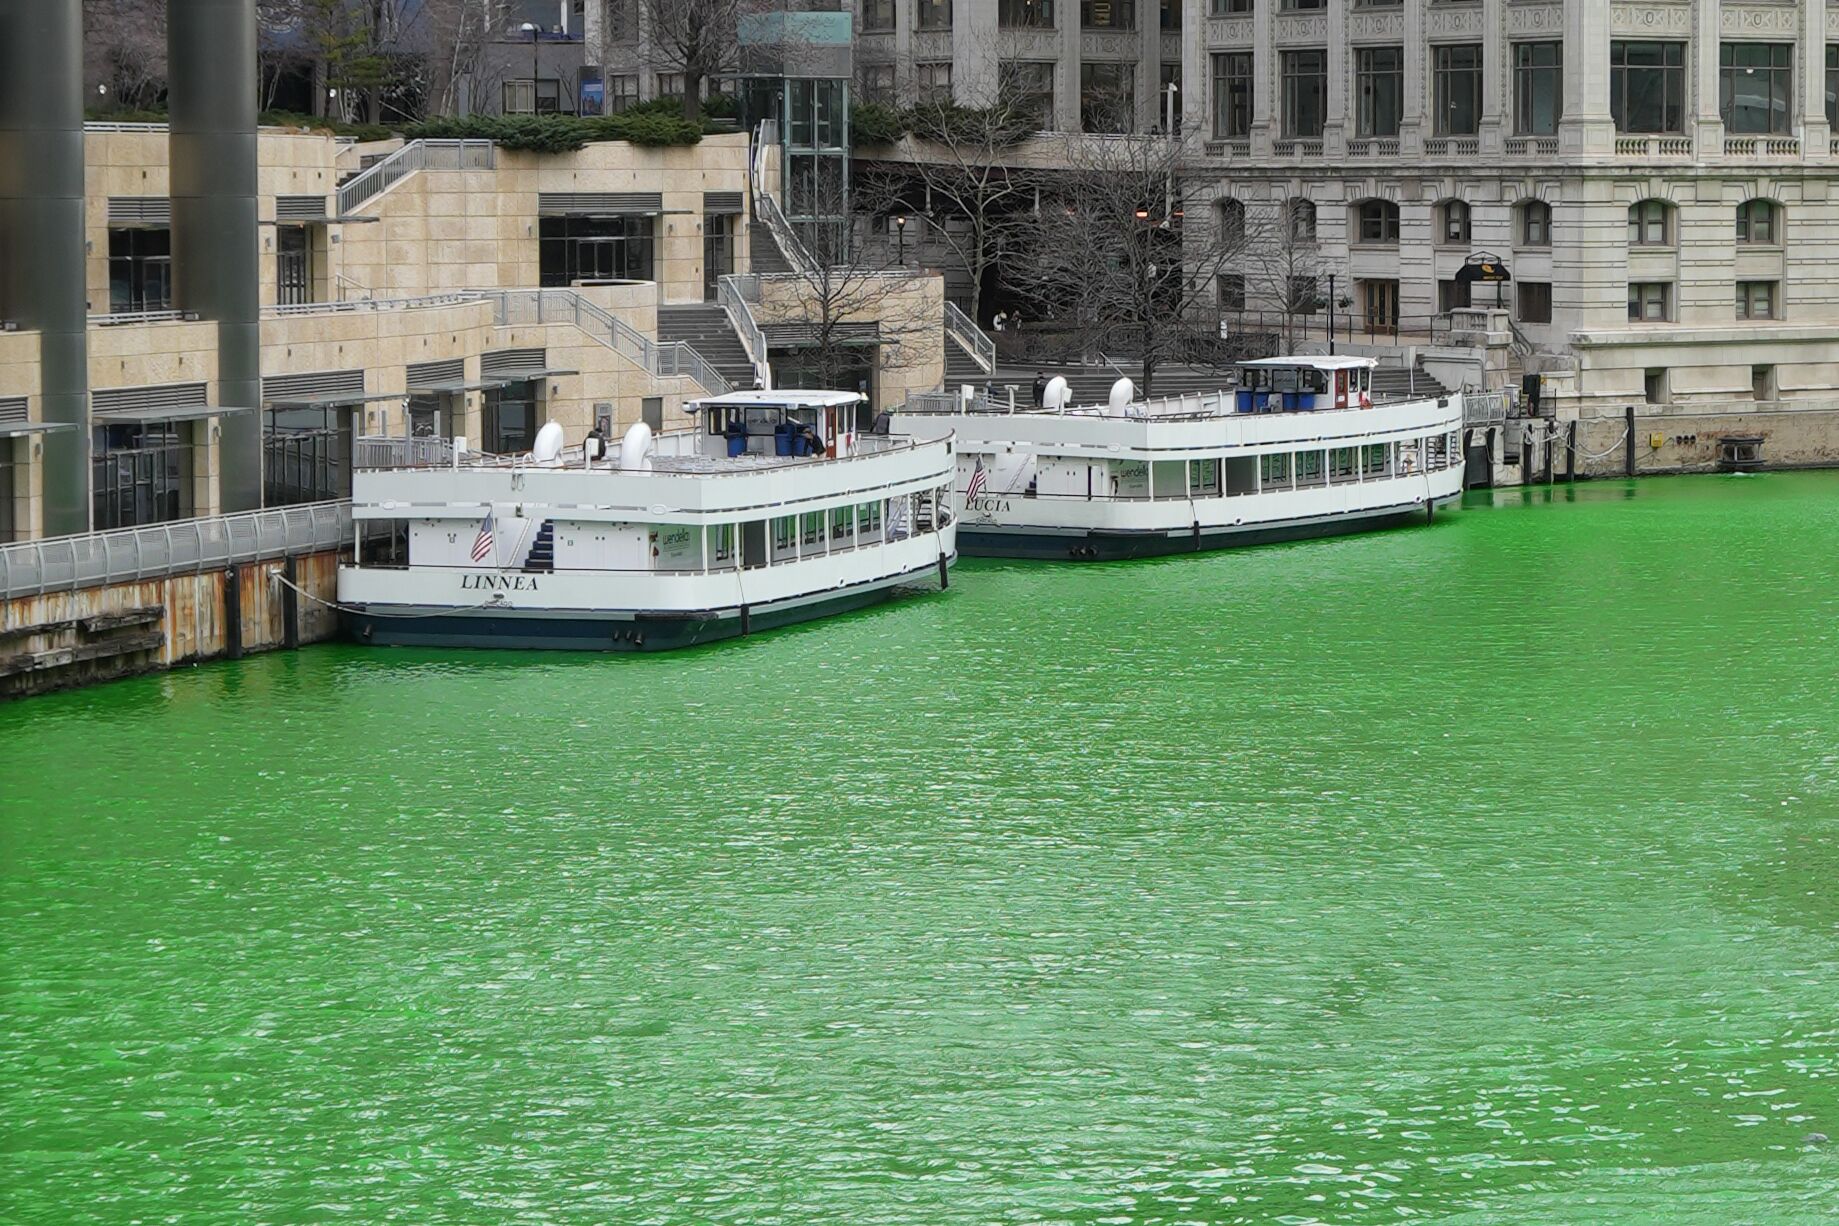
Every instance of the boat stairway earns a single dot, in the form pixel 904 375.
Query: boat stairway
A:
pixel 542 555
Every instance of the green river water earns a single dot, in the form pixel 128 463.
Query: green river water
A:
pixel 1484 873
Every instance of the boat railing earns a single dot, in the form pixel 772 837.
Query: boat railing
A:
pixel 868 446
pixel 389 451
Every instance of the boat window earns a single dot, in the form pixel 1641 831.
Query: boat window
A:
pixel 1204 476
pixel 1375 462
pixel 785 531
pixel 721 542
pixel 868 521
pixel 811 528
pixel 1341 462
pixel 842 523
pixel 1274 469
pixel 1308 466
pixel 1284 379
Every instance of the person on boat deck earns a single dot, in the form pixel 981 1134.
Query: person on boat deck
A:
pixel 1040 388
pixel 810 442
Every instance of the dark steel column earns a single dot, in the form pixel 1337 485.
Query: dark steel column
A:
pixel 216 245
pixel 42 275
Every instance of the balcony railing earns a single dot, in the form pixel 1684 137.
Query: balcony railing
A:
pixel 1762 146
pixel 1452 147
pixel 1654 146
pixel 1532 146
pixel 1237 147
pixel 350 306
pixel 116 319
pixel 1373 147
pixel 1297 148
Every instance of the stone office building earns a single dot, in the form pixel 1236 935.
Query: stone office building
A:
pixel 1660 177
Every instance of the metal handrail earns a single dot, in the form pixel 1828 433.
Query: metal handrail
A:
pixel 664 360
pixel 796 254
pixel 970 337
pixel 352 305
pixel 736 295
pixel 115 319
pixel 391 451
pixel 341 281
pixel 186 546
pixel 415 156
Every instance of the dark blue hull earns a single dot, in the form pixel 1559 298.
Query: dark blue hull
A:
pixel 627 632
pixel 1097 546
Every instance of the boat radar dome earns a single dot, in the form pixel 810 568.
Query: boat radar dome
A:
pixel 1057 393
pixel 548 445
pixel 635 449
pixel 1122 393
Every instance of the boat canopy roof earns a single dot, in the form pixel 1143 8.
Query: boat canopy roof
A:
pixel 1311 362
pixel 779 398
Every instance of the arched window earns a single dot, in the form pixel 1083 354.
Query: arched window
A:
pixel 1376 223
pixel 1650 224
pixel 1759 223
pixel 1453 224
pixel 1535 224
pixel 1229 222
pixel 1300 216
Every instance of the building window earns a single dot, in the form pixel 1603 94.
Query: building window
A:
pixel 1654 385
pixel 1305 93
pixel 1756 87
pixel 1649 223
pixel 1025 14
pixel 878 83
pixel 1457 80
pixel 1229 222
pixel 1379 80
pixel 1452 295
pixel 1762 383
pixel 1647 86
pixel 510 418
pixel 623 20
pixel 1535 302
pixel 571 249
pixel 1535 224
pixel 1232 95
pixel 933 81
pixel 1107 96
pixel 622 92
pixel 1538 88
pixel 1108 14
pixel 877 16
pixel 140 270
pixel 293 266
pixel 1453 224
pixel 541 97
pixel 932 14
pixel 1650 301
pixel 1232 291
pixel 1171 15
pixel 1756 223
pixel 1376 223
pixel 1303 6
pixel 1305 296
pixel 670 84
pixel 1299 214
pixel 1229 8
pixel 1028 87
pixel 1832 84
pixel 1757 299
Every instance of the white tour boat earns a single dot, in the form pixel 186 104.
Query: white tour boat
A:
pixel 774 509
pixel 1299 449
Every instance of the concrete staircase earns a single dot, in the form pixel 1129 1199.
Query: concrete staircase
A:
pixel 705 326
pixel 764 251
pixel 1391 382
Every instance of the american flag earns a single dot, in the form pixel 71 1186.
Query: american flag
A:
pixel 978 480
pixel 482 544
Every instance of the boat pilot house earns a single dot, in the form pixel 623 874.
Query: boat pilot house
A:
pixel 1293 385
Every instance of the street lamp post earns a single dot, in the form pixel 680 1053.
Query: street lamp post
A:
pixel 533 30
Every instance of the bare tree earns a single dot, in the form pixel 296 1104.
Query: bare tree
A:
pixel 953 168
pixel 124 53
pixel 698 38
pixel 1283 264
pixel 1122 251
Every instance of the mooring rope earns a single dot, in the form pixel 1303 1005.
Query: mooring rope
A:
pixel 496 600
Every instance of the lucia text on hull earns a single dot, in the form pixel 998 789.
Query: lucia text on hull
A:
pixel 773 509
pixel 1299 449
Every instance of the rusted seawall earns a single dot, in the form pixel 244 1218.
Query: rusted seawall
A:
pixel 61 639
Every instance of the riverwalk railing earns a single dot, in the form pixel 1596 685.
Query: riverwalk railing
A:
pixel 390 451
pixel 417 155
pixel 186 546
